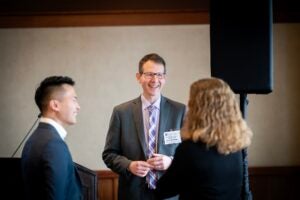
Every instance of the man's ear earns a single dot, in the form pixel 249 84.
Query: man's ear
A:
pixel 138 76
pixel 54 105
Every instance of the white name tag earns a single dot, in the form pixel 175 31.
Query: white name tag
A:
pixel 172 137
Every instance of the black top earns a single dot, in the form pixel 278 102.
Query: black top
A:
pixel 198 172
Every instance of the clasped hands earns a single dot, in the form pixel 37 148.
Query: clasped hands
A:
pixel 157 161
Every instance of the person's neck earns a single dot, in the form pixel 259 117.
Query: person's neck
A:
pixel 54 118
pixel 151 99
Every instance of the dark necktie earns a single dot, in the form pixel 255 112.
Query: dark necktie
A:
pixel 151 176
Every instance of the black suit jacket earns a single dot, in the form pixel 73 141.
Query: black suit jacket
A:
pixel 126 142
pixel 47 167
pixel 200 173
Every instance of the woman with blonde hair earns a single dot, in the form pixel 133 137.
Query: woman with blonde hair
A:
pixel 208 163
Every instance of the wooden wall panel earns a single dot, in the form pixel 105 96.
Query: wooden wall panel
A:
pixel 107 185
pixel 61 13
pixel 267 183
pixel 105 19
pixel 272 183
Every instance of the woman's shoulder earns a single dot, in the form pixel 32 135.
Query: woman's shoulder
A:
pixel 189 145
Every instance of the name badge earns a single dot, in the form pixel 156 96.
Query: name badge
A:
pixel 172 137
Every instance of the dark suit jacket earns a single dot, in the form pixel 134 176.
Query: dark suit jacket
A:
pixel 200 173
pixel 126 142
pixel 47 167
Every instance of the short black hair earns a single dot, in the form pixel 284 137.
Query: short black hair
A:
pixel 153 57
pixel 46 88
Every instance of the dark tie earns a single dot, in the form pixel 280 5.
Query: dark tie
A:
pixel 151 176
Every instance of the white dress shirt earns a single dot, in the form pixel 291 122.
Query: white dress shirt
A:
pixel 59 128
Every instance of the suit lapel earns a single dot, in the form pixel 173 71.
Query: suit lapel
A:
pixel 163 120
pixel 138 121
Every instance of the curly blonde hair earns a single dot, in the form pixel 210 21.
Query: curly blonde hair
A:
pixel 214 117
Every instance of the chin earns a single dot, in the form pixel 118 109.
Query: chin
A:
pixel 72 122
pixel 155 95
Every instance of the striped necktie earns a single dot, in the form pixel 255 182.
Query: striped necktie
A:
pixel 151 176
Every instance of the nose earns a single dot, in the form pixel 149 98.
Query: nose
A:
pixel 154 77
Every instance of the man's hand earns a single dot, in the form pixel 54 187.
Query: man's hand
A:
pixel 160 161
pixel 139 168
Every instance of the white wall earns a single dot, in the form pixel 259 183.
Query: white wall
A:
pixel 103 62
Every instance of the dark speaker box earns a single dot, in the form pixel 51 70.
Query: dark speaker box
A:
pixel 241 44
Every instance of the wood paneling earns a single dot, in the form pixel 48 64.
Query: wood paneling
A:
pixel 107 185
pixel 76 6
pixel 105 19
pixel 272 183
pixel 267 183
pixel 65 13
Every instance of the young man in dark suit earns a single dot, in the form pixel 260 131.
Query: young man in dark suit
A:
pixel 140 143
pixel 47 166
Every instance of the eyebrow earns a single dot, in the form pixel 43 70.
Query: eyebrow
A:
pixel 154 72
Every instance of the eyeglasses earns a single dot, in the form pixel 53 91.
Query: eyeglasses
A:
pixel 150 75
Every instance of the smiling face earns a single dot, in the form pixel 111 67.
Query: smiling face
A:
pixel 67 106
pixel 152 84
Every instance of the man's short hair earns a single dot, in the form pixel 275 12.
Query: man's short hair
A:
pixel 153 57
pixel 47 87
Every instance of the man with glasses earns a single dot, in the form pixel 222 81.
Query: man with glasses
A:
pixel 144 133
